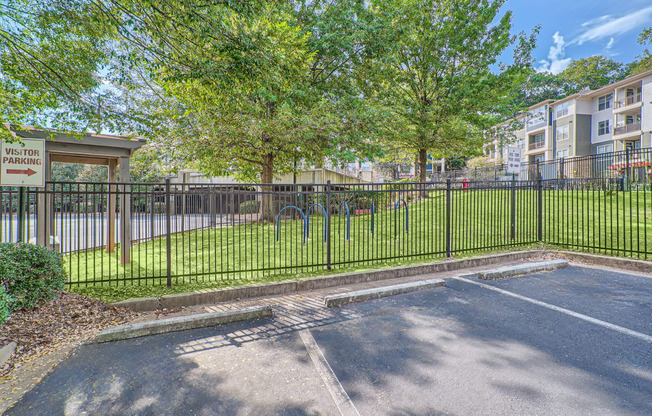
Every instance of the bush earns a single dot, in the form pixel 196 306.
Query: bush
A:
pixel 5 304
pixel 250 207
pixel 159 208
pixel 30 274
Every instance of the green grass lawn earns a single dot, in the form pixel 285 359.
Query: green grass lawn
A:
pixel 617 222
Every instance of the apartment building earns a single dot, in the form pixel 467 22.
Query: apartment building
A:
pixel 613 118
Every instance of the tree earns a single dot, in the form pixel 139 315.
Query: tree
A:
pixel 643 61
pixel 432 69
pixel 591 73
pixel 49 67
pixel 248 93
pixel 540 86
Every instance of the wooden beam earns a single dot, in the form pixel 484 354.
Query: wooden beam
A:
pixel 82 159
pixel 83 149
pixel 42 218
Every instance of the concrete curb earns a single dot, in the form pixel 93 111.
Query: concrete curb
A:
pixel 5 353
pixel 182 323
pixel 522 269
pixel 642 266
pixel 381 292
pixel 212 296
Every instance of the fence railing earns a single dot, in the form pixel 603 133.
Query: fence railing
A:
pixel 173 233
pixel 627 128
pixel 539 144
pixel 628 101
pixel 635 164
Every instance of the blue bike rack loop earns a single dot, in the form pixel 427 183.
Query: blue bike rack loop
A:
pixel 278 222
pixel 407 215
pixel 308 220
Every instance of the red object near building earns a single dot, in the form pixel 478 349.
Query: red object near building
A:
pixel 465 183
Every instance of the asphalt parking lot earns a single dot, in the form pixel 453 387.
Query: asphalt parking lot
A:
pixel 575 341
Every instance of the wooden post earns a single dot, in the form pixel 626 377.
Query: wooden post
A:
pixel 110 210
pixel 125 212
pixel 43 223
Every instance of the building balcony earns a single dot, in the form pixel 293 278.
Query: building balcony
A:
pixel 537 124
pixel 536 145
pixel 631 129
pixel 628 103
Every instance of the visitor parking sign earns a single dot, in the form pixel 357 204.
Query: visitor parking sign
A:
pixel 513 160
pixel 22 163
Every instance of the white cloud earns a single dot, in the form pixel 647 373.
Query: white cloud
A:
pixel 556 62
pixel 597 20
pixel 610 44
pixel 608 26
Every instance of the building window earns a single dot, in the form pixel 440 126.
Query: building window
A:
pixel 537 116
pixel 605 102
pixel 603 128
pixel 605 148
pixel 562 133
pixel 562 153
pixel 562 109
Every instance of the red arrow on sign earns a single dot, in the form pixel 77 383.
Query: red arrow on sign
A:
pixel 28 172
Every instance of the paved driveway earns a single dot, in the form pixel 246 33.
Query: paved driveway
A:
pixel 572 341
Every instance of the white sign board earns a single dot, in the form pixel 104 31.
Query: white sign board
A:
pixel 22 163
pixel 513 160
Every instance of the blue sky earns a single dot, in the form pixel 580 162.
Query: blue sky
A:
pixel 573 29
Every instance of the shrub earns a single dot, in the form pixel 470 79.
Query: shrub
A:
pixel 5 304
pixel 250 207
pixel 159 208
pixel 30 274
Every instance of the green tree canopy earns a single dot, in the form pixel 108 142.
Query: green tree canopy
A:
pixel 643 61
pixel 591 73
pixel 433 70
pixel 50 67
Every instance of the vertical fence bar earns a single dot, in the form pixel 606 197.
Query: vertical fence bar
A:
pixel 540 208
pixel 513 209
pixel 168 242
pixel 448 218
pixel 628 171
pixel 20 232
pixel 328 225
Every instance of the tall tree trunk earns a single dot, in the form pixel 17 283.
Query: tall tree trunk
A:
pixel 423 161
pixel 267 177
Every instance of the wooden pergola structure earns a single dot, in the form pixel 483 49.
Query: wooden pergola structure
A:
pixel 93 149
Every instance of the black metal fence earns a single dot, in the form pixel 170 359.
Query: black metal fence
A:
pixel 173 233
pixel 634 164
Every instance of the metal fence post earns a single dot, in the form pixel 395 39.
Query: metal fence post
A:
pixel 540 208
pixel 448 218
pixel 627 181
pixel 20 234
pixel 513 209
pixel 328 224
pixel 168 232
pixel 561 171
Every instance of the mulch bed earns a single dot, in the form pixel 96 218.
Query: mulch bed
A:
pixel 68 319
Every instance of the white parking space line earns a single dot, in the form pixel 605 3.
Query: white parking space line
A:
pixel 339 395
pixel 586 318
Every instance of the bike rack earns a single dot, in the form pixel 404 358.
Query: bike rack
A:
pixel 308 220
pixel 278 222
pixel 407 216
